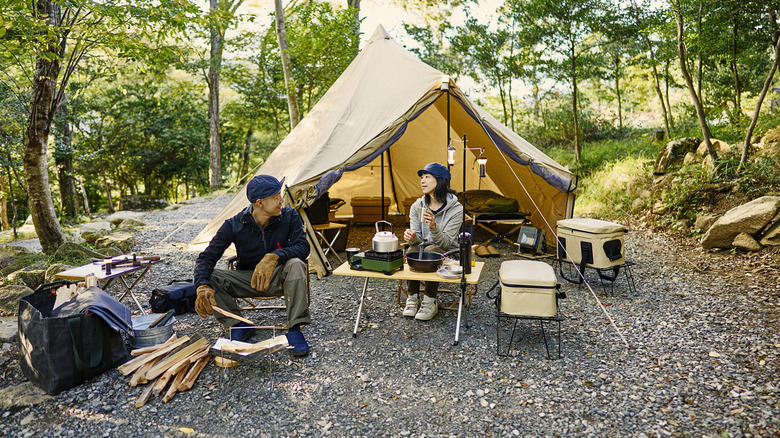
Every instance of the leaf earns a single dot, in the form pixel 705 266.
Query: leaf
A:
pixel 186 430
pixel 714 354
pixel 737 411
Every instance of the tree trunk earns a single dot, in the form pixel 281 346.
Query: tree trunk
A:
pixel 85 200
pixel 215 64
pixel 734 68
pixel 106 186
pixel 656 78
pixel 3 205
pixel 36 135
pixel 245 156
pixel 668 102
pixel 14 215
pixel 577 145
pixel 63 159
pixel 355 4
pixel 289 84
pixel 616 59
pixel 764 90
pixel 705 129
pixel 698 52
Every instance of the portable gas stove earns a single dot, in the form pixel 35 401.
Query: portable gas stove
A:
pixel 386 262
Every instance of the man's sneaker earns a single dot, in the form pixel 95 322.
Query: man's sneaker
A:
pixel 241 332
pixel 428 309
pixel 298 345
pixel 412 304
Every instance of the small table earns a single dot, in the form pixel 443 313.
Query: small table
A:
pixel 319 228
pixel 122 273
pixel 408 274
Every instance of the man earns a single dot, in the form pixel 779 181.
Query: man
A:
pixel 271 246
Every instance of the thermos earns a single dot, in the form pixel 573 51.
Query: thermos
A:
pixel 465 251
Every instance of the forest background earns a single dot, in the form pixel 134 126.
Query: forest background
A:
pixel 171 99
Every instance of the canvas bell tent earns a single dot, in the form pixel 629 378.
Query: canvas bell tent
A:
pixel 389 115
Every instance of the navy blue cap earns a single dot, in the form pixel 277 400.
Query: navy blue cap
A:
pixel 437 170
pixel 262 186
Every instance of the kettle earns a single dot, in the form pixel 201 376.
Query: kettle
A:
pixel 384 241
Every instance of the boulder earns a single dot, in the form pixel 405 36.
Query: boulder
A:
pixel 674 152
pixel 638 204
pixel 142 203
pixel 31 276
pixel 772 236
pixel 53 270
pixel 119 216
pixel 22 395
pixel 9 297
pixel 74 251
pixel 690 158
pixel 131 223
pixel 704 221
pixel 121 240
pixel 719 145
pixel 92 231
pixel 9 329
pixel 746 242
pixel 749 218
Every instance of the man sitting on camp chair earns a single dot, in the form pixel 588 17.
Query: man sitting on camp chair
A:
pixel 271 246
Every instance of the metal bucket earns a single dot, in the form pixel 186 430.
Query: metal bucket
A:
pixel 143 336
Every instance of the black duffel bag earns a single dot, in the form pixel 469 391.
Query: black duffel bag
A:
pixel 179 295
pixel 57 353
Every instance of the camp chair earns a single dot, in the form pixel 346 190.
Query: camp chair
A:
pixel 488 222
pixel 255 303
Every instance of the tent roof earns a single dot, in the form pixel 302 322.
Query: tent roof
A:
pixel 385 93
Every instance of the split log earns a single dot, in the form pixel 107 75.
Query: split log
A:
pixel 175 385
pixel 129 368
pixel 267 346
pixel 160 384
pixel 194 372
pixel 138 376
pixel 153 348
pixel 173 359
pixel 144 397
pixel 232 315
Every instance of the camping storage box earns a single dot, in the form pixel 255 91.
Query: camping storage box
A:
pixel 528 288
pixel 368 209
pixel 595 243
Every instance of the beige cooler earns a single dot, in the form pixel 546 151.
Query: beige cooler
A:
pixel 600 241
pixel 528 288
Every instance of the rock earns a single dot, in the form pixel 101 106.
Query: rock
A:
pixel 22 395
pixel 749 218
pixel 13 251
pixel 660 208
pixel 55 269
pixel 31 276
pixel 119 216
pixel 746 242
pixel 704 221
pixel 9 297
pixel 9 329
pixel 131 223
pixel 95 226
pixel 74 251
pixel 772 235
pixel 638 204
pixel 690 158
pixel 122 240
pixel 674 152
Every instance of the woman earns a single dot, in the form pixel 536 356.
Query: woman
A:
pixel 434 223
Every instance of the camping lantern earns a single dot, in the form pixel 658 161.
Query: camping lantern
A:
pixel 482 161
pixel 451 155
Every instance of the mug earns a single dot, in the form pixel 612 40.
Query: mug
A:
pixel 351 253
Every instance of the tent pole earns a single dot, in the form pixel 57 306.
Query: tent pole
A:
pixel 392 180
pixel 382 197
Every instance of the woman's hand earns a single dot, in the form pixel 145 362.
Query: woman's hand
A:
pixel 409 234
pixel 429 219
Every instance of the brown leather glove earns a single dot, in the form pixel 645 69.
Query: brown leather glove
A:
pixel 263 271
pixel 205 300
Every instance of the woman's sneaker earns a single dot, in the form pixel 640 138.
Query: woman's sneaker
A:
pixel 428 309
pixel 412 304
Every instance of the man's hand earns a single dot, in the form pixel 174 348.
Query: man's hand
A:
pixel 261 279
pixel 205 300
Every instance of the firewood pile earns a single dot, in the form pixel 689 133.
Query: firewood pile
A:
pixel 174 364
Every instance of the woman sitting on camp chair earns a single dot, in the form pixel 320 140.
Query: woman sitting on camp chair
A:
pixel 434 222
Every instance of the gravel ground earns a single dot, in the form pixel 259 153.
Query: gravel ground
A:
pixel 703 361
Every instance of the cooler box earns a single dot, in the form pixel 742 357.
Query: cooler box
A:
pixel 596 243
pixel 528 288
pixel 367 209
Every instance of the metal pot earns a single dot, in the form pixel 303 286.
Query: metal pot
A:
pixel 429 261
pixel 384 241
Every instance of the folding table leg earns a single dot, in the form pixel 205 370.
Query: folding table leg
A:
pixel 360 307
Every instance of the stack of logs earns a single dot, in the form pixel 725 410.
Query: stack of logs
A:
pixel 178 361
